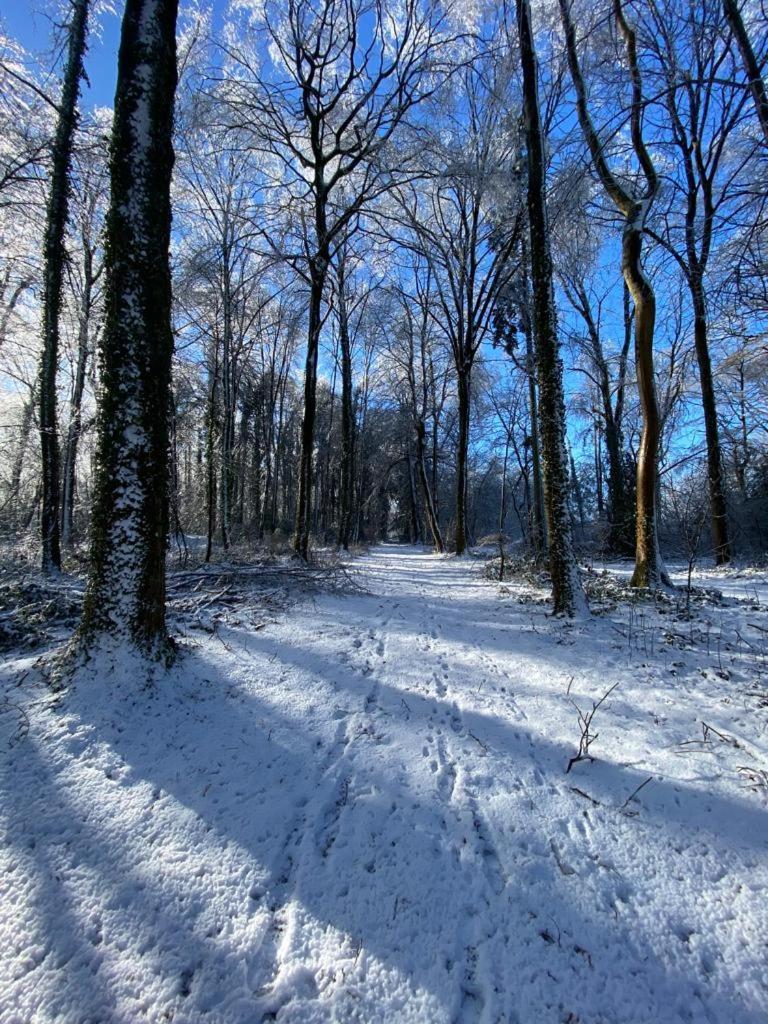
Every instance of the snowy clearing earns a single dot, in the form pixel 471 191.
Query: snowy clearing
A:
pixel 359 811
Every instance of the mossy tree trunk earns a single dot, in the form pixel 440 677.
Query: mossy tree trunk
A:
pixel 54 258
pixel 125 596
pixel 567 594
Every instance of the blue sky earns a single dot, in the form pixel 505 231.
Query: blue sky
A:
pixel 29 21
pixel 31 25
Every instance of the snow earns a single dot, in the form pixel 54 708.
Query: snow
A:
pixel 360 812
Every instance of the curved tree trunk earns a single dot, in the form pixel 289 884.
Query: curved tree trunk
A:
pixel 53 275
pixel 620 519
pixel 649 570
pixel 125 597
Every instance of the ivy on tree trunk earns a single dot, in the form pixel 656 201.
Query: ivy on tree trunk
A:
pixel 125 596
pixel 567 593
pixel 54 258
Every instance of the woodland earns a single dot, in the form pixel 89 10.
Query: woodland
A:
pixel 384 400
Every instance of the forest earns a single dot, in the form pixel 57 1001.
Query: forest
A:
pixel 383 504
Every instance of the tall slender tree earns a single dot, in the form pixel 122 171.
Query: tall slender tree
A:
pixel 706 113
pixel 125 596
pixel 53 279
pixel 567 594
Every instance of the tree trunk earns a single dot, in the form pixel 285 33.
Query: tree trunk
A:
pixel 19 460
pixel 304 509
pixel 347 418
pixel 567 594
pixel 228 404
pixel 577 493
pixel 210 453
pixel 741 454
pixel 749 60
pixel 415 521
pixel 503 505
pixel 125 597
pixel 426 490
pixel 649 569
pixel 53 275
pixel 74 428
pixel 620 537
pixel 463 385
pixel 598 472
pixel 718 507
pixel 538 536
pixel 10 304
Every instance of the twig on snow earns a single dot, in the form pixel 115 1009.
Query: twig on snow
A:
pixel 587 738
pixel 634 793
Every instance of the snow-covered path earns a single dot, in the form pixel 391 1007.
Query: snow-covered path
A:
pixel 361 813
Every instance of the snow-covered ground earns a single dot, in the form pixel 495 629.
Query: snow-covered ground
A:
pixel 360 812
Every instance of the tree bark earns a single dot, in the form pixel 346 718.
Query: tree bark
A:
pixel 598 472
pixel 74 428
pixel 125 597
pixel 210 452
pixel 749 60
pixel 718 506
pixel 649 569
pixel 538 534
pixel 304 508
pixel 463 385
pixel 426 490
pixel 567 594
pixel 228 402
pixel 53 276
pixel 415 519
pixel 347 471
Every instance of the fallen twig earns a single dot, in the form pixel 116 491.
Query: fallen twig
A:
pixel 634 793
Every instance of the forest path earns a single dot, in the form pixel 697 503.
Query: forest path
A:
pixel 359 812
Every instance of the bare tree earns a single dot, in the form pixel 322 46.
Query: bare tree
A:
pixel 347 73
pixel 53 279
pixel 634 208
pixel 412 347
pixel 705 115
pixel 465 223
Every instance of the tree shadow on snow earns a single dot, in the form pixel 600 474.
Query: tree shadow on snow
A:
pixel 233 823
